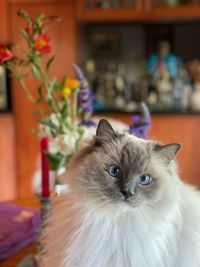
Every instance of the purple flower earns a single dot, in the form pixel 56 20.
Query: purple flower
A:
pixel 85 96
pixel 141 126
pixel 88 123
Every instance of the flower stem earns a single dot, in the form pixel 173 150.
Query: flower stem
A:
pixel 29 95
pixel 74 115
pixel 48 84
pixel 26 91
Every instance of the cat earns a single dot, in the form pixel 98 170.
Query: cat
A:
pixel 126 207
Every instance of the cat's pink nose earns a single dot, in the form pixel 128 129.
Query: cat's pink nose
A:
pixel 127 193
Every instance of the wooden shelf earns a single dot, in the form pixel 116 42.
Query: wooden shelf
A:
pixel 187 13
pixel 108 15
pixel 142 11
pixel 95 14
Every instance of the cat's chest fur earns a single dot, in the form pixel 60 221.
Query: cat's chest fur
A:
pixel 147 238
pixel 127 240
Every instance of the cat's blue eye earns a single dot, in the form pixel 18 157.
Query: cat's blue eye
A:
pixel 145 179
pixel 114 171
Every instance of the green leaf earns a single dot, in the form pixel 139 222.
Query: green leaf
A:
pixel 49 62
pixel 54 156
pixel 38 23
pixel 60 105
pixel 38 27
pixel 48 123
pixel 40 95
pixel 35 112
pixel 35 72
pixel 53 85
pixel 52 104
pixel 65 110
pixel 57 85
pixel 40 19
pixel 54 160
pixel 57 160
pixel 62 84
pixel 26 36
pixel 64 160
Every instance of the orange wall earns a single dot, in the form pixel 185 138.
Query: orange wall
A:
pixel 8 181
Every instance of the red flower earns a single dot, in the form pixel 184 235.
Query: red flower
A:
pixel 42 44
pixel 5 53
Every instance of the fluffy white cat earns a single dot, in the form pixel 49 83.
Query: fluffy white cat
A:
pixel 127 207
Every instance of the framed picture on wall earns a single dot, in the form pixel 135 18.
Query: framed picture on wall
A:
pixel 5 91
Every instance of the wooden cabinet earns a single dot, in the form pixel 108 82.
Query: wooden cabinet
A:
pixel 8 189
pixel 136 10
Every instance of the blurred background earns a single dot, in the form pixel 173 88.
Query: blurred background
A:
pixel 130 51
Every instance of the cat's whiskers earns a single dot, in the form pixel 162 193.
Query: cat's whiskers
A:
pixel 85 183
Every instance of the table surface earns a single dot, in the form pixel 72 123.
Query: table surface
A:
pixel 12 262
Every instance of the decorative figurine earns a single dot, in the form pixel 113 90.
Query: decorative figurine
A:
pixel 163 61
pixel 194 68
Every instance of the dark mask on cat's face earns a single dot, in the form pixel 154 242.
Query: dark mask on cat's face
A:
pixel 121 168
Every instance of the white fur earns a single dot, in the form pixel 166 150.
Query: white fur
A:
pixel 143 237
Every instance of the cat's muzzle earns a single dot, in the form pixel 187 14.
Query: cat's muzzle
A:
pixel 127 193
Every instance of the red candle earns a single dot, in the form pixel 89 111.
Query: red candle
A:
pixel 45 167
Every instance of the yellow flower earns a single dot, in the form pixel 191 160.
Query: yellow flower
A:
pixel 66 92
pixel 72 83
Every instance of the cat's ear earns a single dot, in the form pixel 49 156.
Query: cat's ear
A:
pixel 167 152
pixel 105 130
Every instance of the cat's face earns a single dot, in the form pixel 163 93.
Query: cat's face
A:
pixel 119 168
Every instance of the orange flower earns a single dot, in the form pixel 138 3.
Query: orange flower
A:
pixel 72 83
pixel 5 54
pixel 42 44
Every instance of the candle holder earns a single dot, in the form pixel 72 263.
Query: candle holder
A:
pixel 45 206
pixel 34 260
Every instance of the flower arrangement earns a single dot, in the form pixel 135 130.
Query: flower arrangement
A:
pixel 62 108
